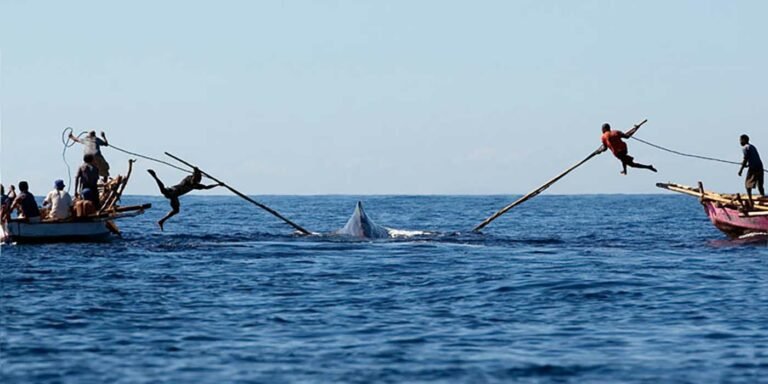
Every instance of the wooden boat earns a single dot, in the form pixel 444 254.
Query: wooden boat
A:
pixel 98 226
pixel 730 213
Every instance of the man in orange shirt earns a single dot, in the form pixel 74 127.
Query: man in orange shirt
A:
pixel 613 140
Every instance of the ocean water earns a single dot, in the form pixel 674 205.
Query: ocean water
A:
pixel 635 288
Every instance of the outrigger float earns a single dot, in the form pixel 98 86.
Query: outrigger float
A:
pixel 96 227
pixel 731 213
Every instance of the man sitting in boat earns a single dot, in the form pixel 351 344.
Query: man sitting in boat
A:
pixel 5 202
pixel 59 202
pixel 92 146
pixel 26 205
pixel 88 177
pixel 173 193
pixel 755 172
pixel 612 139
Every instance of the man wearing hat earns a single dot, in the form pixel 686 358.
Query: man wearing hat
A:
pixel 59 202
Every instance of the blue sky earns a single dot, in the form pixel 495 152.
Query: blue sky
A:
pixel 386 97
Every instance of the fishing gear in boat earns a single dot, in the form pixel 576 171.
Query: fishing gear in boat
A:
pixel 549 183
pixel 68 142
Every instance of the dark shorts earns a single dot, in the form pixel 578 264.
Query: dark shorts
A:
pixel 175 203
pixel 172 195
pixel 755 178
pixel 624 157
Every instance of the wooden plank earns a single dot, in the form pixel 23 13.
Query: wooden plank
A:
pixel 720 198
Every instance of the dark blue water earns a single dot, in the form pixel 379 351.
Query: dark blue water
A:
pixel 561 289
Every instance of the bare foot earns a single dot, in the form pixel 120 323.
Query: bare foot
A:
pixel 623 173
pixel 652 168
pixel 160 223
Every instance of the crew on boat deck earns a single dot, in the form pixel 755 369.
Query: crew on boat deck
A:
pixel 25 204
pixel 92 146
pixel 88 177
pixel 60 202
pixel 755 172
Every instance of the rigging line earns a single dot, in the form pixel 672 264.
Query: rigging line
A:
pixel 687 154
pixel 149 158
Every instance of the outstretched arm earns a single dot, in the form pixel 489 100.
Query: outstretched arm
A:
pixel 104 137
pixel 202 186
pixel 628 134
pixel 16 205
pixel 74 138
pixel 604 147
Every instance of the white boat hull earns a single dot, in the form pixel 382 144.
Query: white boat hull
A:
pixel 50 232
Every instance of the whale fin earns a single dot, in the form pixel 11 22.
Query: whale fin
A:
pixel 360 225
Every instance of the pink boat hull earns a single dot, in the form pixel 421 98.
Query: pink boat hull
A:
pixel 732 222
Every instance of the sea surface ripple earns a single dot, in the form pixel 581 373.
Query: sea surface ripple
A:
pixel 597 288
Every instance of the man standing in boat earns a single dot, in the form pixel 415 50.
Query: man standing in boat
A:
pixel 92 146
pixel 612 139
pixel 186 185
pixel 88 178
pixel 755 172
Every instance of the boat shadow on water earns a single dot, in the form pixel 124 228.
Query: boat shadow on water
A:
pixel 751 239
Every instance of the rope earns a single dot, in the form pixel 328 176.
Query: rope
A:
pixel 149 158
pixel 687 154
pixel 67 144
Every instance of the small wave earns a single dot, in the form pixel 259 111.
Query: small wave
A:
pixel 395 233
pixel 751 239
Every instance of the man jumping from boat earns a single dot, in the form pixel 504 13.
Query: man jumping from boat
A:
pixel 186 185
pixel 755 171
pixel 612 139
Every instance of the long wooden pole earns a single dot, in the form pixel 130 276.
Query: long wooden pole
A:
pixel 704 195
pixel 549 183
pixel 238 193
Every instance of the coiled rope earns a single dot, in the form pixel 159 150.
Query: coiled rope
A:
pixel 67 144
pixel 687 154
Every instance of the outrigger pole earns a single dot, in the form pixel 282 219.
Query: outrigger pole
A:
pixel 238 193
pixel 549 183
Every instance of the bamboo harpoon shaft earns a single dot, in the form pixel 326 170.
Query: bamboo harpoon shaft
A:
pixel 238 193
pixel 548 183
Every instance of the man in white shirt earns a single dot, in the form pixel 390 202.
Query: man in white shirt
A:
pixel 60 202
pixel 92 146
